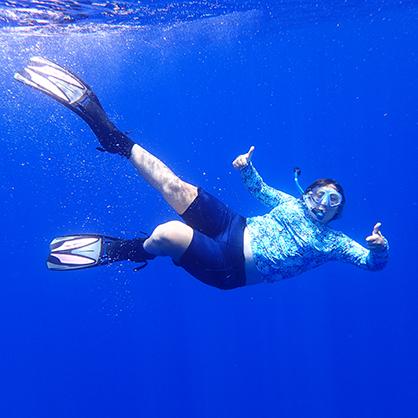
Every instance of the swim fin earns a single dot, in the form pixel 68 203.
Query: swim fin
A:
pixel 73 252
pixel 53 80
pixel 69 90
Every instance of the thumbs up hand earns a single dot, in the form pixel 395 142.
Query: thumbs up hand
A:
pixel 242 160
pixel 376 240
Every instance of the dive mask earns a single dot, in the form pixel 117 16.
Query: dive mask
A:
pixel 318 200
pixel 326 197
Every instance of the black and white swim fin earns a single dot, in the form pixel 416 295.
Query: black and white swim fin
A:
pixel 53 80
pixel 73 252
pixel 67 89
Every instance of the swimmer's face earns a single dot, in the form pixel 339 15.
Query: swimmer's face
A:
pixel 324 202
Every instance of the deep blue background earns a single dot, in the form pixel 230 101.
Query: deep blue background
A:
pixel 338 98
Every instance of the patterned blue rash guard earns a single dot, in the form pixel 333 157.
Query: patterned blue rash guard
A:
pixel 287 241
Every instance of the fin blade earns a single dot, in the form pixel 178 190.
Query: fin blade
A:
pixel 57 240
pixel 74 243
pixel 74 260
pixel 53 80
pixel 45 85
pixel 62 263
pixel 76 252
pixel 49 68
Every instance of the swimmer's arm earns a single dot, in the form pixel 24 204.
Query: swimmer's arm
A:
pixel 374 258
pixel 260 190
pixel 255 184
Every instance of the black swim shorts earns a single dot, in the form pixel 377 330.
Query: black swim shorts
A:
pixel 216 254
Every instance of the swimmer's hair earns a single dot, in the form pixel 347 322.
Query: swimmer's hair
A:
pixel 327 182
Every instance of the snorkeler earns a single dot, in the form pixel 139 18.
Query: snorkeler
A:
pixel 213 243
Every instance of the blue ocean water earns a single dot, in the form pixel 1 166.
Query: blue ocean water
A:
pixel 327 86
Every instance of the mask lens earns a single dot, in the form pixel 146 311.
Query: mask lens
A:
pixel 335 198
pixel 318 195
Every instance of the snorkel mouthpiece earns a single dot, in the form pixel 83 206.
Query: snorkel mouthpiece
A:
pixel 318 214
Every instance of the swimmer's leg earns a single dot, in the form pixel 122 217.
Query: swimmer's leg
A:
pixel 74 93
pixel 208 260
pixel 72 252
pixel 176 192
pixel 211 261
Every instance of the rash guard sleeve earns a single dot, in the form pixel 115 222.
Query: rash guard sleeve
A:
pixel 260 190
pixel 352 252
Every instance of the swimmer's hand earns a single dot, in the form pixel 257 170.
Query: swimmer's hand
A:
pixel 376 241
pixel 242 160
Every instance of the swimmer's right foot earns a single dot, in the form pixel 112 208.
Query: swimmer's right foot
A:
pixel 74 252
pixel 66 88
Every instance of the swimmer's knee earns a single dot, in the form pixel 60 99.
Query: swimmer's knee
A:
pixel 177 187
pixel 168 232
pixel 170 239
pixel 179 194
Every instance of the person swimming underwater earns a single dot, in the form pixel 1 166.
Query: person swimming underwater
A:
pixel 213 243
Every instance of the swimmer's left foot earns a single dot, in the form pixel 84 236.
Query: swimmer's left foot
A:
pixel 69 90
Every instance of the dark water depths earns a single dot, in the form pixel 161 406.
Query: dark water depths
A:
pixel 328 86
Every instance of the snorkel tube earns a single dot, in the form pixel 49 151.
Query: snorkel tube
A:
pixel 297 172
pixel 317 214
